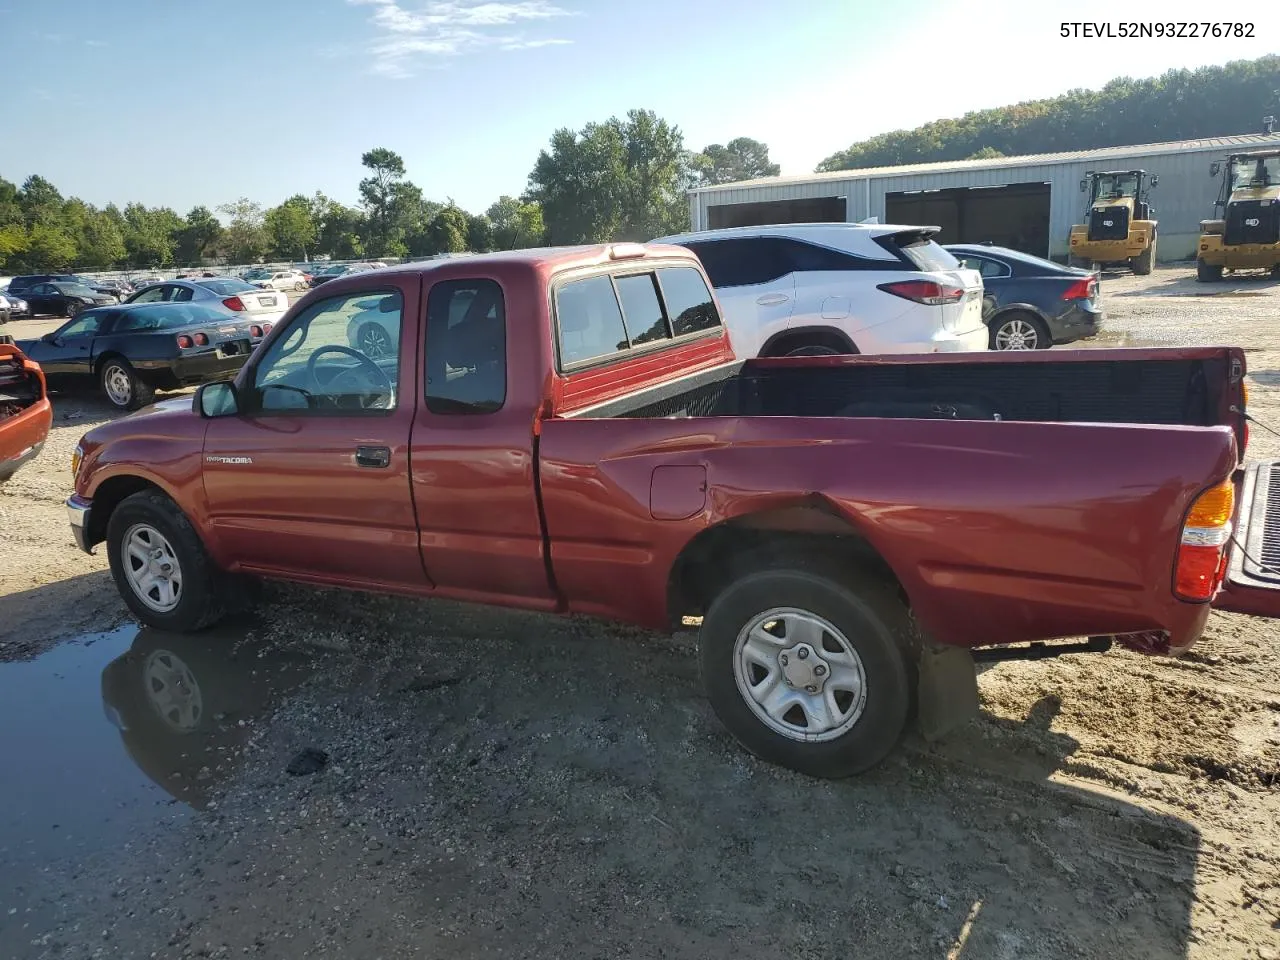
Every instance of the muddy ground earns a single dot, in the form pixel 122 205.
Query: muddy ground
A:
pixel 501 784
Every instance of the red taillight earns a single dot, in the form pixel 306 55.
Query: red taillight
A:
pixel 255 331
pixel 1082 289
pixel 924 291
pixel 184 342
pixel 1202 554
pixel 202 339
pixel 233 303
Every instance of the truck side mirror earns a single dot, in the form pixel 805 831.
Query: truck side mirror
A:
pixel 217 399
pixel 1155 181
pixel 1215 168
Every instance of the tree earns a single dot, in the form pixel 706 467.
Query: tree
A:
pixel 13 244
pixel 742 159
pixel 479 233
pixel 48 248
pixel 1178 105
pixel 448 230
pixel 388 200
pixel 148 241
pixel 986 153
pixel 101 243
pixel 40 201
pixel 515 224
pixel 245 237
pixel 617 180
pixel 291 230
pixel 338 228
pixel 199 237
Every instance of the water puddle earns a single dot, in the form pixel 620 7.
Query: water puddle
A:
pixel 112 734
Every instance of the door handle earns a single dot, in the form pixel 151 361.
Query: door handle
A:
pixel 373 456
pixel 772 299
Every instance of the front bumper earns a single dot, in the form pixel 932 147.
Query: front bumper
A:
pixel 78 512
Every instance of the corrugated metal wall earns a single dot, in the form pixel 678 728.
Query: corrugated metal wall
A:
pixel 1184 197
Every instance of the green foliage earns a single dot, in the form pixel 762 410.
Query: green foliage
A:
pixel 1179 105
pixel 149 235
pixel 245 237
pixel 986 153
pixel 742 159
pixel 515 224
pixel 49 247
pixel 199 238
pixel 479 233
pixel 617 180
pixel 291 229
pixel 100 244
pixel 390 203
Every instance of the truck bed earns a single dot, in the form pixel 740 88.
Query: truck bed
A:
pixel 1175 387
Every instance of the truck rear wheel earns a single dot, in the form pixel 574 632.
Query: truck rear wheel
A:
pixel 1143 262
pixel 807 670
pixel 1208 272
pixel 160 567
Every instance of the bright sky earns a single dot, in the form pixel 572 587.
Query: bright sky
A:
pixel 175 103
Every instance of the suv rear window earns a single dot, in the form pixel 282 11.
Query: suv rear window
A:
pixel 923 252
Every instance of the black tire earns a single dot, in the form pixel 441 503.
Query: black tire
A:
pixel 1040 332
pixel 877 626
pixel 202 597
pixel 72 308
pixel 1144 262
pixel 1208 272
pixel 117 372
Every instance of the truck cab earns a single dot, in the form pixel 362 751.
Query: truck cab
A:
pixel 1247 234
pixel 1119 226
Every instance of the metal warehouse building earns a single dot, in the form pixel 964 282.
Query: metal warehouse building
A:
pixel 1028 203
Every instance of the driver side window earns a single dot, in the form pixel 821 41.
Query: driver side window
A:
pixel 340 355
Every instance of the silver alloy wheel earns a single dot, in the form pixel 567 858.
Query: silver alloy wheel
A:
pixel 151 567
pixel 799 675
pixel 115 380
pixel 1017 334
pixel 172 691
pixel 374 342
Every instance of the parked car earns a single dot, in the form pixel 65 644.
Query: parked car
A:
pixel 108 288
pixel 4 309
pixel 133 350
pixel 145 280
pixel 282 280
pixel 18 307
pixel 237 296
pixel 805 289
pixel 21 286
pixel 580 439
pixel 340 270
pixel 25 412
pixel 62 299
pixel 1031 303
pixel 117 288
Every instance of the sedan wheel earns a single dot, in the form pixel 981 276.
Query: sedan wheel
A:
pixel 118 385
pixel 374 341
pixel 1017 333
pixel 299 286
pixel 73 307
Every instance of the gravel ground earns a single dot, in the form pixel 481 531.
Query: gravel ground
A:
pixel 503 784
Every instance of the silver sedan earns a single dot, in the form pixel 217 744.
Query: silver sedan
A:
pixel 244 299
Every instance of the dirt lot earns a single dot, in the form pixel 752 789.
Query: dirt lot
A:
pixel 501 784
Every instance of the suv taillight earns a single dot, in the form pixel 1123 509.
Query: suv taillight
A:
pixel 1202 554
pixel 1082 289
pixel 924 291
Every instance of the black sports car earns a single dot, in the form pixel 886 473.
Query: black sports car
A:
pixel 131 351
pixel 1030 303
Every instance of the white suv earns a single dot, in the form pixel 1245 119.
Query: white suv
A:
pixel 821 288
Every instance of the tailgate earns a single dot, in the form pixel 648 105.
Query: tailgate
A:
pixel 1253 571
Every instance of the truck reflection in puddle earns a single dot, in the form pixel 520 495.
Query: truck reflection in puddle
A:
pixel 185 705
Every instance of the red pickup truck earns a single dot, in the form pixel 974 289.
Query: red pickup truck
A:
pixel 567 430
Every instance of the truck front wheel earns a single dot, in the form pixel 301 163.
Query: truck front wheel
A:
pixel 1143 263
pixel 808 671
pixel 1207 272
pixel 160 566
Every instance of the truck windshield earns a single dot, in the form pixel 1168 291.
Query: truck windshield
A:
pixel 1112 186
pixel 1255 172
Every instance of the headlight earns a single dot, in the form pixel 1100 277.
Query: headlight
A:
pixel 77 457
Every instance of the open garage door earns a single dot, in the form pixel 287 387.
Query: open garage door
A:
pixel 1015 215
pixel 808 210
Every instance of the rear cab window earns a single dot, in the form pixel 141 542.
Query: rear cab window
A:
pixel 607 317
